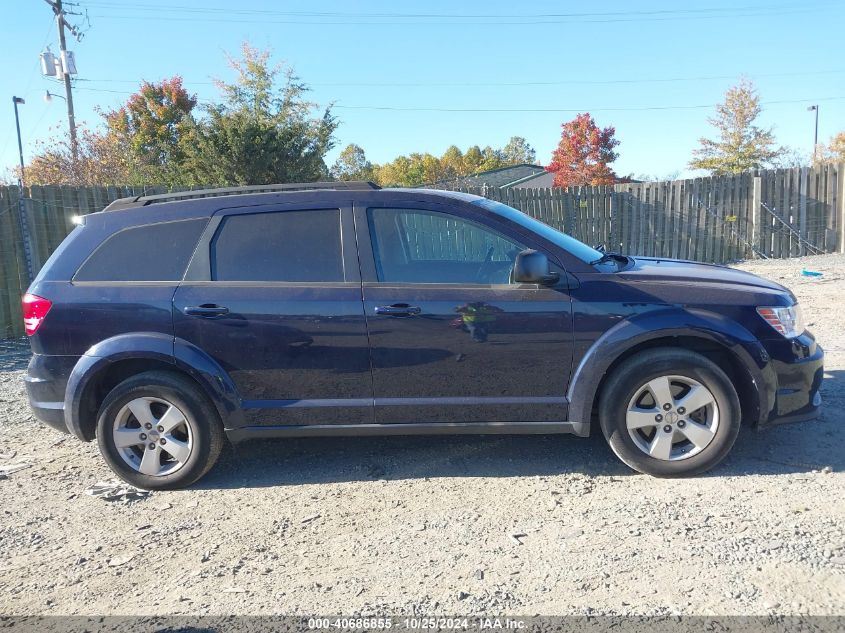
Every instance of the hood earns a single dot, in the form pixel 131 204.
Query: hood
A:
pixel 654 269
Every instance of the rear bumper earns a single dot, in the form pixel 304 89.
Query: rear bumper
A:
pixel 46 380
pixel 799 366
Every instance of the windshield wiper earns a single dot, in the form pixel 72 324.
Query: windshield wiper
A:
pixel 610 257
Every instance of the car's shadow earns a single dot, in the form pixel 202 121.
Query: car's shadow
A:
pixel 321 460
pixel 791 448
pixel 799 447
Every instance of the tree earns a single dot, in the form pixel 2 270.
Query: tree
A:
pixel 741 145
pixel 352 164
pixel 102 159
pixel 584 154
pixel 265 130
pixel 452 163
pixel 403 171
pixel 834 151
pixel 473 159
pixel 491 159
pixel 423 168
pixel 139 143
pixel 151 125
pixel 789 158
pixel 646 177
pixel 518 151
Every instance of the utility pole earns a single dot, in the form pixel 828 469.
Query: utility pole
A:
pixel 61 23
pixel 26 238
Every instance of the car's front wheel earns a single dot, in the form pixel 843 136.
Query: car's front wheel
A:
pixel 670 413
pixel 158 431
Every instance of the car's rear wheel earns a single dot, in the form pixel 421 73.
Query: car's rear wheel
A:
pixel 670 413
pixel 158 431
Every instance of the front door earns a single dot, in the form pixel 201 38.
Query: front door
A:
pixel 451 338
pixel 274 296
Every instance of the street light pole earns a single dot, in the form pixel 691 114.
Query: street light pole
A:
pixel 27 242
pixel 16 101
pixel 816 135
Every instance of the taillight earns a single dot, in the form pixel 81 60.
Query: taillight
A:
pixel 35 308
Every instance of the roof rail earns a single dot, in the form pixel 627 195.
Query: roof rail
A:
pixel 140 201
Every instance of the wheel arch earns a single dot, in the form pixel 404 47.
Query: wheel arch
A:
pixel 721 340
pixel 109 362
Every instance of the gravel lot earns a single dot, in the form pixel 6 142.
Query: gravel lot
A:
pixel 463 525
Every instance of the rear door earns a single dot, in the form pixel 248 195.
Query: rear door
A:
pixel 452 338
pixel 273 294
pixel 125 285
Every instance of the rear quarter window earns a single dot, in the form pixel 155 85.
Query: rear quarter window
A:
pixel 152 252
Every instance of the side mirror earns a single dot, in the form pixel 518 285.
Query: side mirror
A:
pixel 532 267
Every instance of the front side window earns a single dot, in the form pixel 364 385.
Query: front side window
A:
pixel 568 243
pixel 420 246
pixel 280 246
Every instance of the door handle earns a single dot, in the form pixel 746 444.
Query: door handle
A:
pixel 206 310
pixel 398 309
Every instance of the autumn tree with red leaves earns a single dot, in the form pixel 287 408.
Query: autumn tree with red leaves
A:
pixel 584 154
pixel 140 143
pixel 153 123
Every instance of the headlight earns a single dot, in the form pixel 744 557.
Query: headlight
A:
pixel 788 321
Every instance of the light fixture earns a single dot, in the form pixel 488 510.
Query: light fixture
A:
pixel 48 96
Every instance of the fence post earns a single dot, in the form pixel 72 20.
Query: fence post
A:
pixel 840 204
pixel 756 208
pixel 26 236
pixel 803 186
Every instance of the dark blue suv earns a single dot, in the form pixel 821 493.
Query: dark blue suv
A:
pixel 163 325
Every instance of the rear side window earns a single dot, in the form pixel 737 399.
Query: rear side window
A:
pixel 154 252
pixel 279 246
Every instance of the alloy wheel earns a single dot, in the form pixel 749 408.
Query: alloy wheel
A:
pixel 672 417
pixel 153 436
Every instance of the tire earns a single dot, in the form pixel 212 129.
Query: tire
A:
pixel 175 438
pixel 639 426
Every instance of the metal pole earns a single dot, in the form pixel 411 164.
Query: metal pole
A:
pixel 816 135
pixel 16 101
pixel 25 235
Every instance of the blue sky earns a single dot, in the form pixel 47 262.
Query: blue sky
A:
pixel 472 72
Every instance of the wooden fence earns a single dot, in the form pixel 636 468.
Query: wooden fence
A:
pixel 773 213
pixel 49 218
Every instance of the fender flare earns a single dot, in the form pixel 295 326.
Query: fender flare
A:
pixel 184 356
pixel 671 322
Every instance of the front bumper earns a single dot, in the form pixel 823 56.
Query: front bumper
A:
pixel 46 379
pixel 798 365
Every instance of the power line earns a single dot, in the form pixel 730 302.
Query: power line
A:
pixel 202 18
pixel 566 110
pixel 227 16
pixel 517 110
pixel 474 16
pixel 26 92
pixel 421 84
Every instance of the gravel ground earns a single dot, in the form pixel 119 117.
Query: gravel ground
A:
pixel 460 525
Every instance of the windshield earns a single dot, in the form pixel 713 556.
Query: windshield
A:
pixel 580 250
